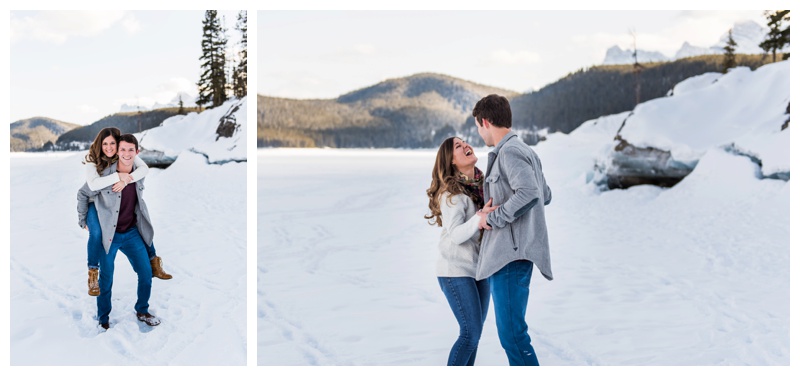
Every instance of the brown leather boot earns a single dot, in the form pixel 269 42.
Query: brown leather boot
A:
pixel 158 272
pixel 94 286
pixel 148 319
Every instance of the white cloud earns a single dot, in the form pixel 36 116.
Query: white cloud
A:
pixel 302 84
pixel 514 58
pixel 131 24
pixel 88 111
pixel 351 53
pixel 364 49
pixel 58 26
pixel 177 84
pixel 167 91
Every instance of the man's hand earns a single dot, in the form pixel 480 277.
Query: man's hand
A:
pixel 488 208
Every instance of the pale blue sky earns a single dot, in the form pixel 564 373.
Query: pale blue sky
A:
pixel 82 71
pixel 323 54
pixel 80 66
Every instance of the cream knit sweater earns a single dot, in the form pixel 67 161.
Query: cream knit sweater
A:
pixel 458 244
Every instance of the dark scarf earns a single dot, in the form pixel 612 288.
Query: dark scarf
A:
pixel 473 187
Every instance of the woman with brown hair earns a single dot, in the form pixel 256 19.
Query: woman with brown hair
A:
pixel 456 204
pixel 102 154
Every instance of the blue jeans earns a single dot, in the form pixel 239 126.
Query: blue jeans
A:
pixel 94 248
pixel 129 243
pixel 510 289
pixel 469 300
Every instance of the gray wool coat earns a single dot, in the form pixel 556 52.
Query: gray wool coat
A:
pixel 514 180
pixel 107 204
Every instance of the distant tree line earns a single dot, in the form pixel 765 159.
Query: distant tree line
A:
pixel 380 117
pixel 127 122
pixel 608 89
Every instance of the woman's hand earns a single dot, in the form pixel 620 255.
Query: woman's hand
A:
pixel 118 186
pixel 125 177
pixel 488 208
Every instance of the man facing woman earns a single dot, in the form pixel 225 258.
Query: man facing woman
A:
pixel 492 251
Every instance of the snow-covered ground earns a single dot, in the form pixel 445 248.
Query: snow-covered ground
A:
pixel 697 274
pixel 198 211
pixel 693 275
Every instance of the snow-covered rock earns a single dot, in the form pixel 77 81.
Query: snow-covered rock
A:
pixel 219 133
pixel 742 112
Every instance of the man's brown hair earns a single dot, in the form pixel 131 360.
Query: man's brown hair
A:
pixel 494 108
pixel 129 138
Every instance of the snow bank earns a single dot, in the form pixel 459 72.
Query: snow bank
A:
pixel 743 107
pixel 198 132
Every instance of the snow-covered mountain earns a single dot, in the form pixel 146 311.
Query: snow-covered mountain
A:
pixel 616 55
pixel 188 101
pixel 747 34
pixel 688 50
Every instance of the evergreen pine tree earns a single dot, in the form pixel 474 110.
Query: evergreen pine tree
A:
pixel 776 37
pixel 730 58
pixel 181 110
pixel 785 34
pixel 240 71
pixel 213 80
